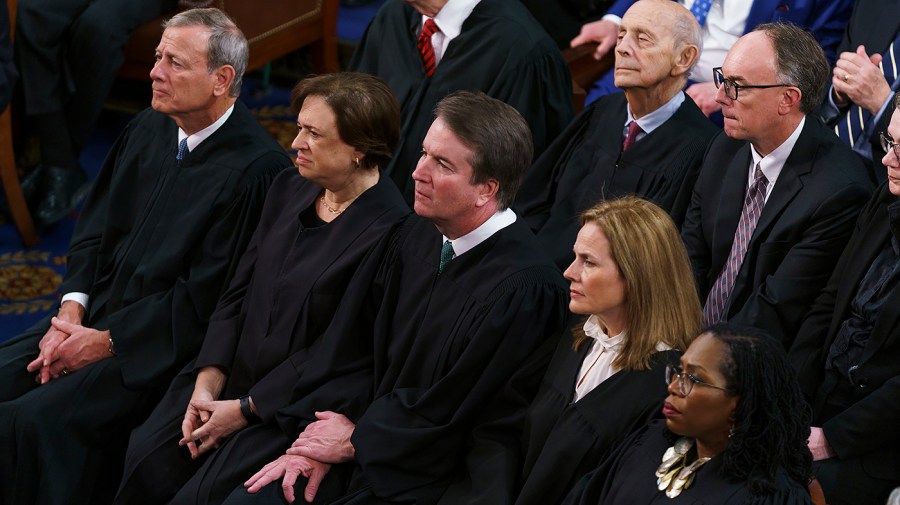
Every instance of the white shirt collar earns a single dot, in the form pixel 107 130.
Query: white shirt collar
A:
pixel 772 163
pixel 656 118
pixel 195 139
pixel 594 330
pixel 452 16
pixel 495 223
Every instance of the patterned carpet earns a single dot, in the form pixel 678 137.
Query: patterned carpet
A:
pixel 29 278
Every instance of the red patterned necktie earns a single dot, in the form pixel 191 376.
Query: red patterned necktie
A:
pixel 425 47
pixel 633 129
pixel 714 310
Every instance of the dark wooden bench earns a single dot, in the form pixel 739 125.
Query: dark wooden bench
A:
pixel 273 28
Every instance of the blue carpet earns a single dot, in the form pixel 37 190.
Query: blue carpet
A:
pixel 30 277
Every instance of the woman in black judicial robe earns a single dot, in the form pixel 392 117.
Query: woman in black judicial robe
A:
pixel 735 432
pixel 317 226
pixel 607 382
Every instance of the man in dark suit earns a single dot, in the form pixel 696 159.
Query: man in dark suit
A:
pixel 864 80
pixel 778 192
pixel 589 160
pixel 848 354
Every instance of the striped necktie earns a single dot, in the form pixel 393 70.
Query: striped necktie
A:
pixel 855 125
pixel 714 309
pixel 425 48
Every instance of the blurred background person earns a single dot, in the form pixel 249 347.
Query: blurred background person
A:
pixel 735 432
pixel 68 52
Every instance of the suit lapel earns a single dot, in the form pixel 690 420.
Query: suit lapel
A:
pixel 790 180
pixel 729 207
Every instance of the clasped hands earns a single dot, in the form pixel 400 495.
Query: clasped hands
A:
pixel 322 443
pixel 857 78
pixel 208 422
pixel 68 346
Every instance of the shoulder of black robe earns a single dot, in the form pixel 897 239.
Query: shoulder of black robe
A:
pixel 501 51
pixel 628 478
pixel 452 342
pixel 320 288
pixel 337 372
pixel 563 441
pixel 158 240
pixel 585 165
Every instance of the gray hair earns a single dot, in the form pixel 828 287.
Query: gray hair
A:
pixel 227 44
pixel 687 32
pixel 799 61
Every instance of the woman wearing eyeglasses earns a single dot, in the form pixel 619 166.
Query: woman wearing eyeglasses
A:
pixel 735 432
pixel 632 280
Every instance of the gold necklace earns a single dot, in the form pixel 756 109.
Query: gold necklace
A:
pixel 329 207
pixel 673 475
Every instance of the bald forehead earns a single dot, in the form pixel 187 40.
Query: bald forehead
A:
pixel 658 16
pixel 750 58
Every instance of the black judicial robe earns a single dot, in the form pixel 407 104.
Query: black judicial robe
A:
pixel 502 50
pixel 286 289
pixel 442 348
pixel 585 164
pixel 154 247
pixel 629 479
pixel 563 441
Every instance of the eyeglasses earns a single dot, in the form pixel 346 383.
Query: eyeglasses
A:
pixel 731 87
pixel 888 144
pixel 686 380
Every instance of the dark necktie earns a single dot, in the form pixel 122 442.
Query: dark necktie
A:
pixel 447 254
pixel 182 149
pixel 633 129
pixel 854 126
pixel 700 9
pixel 714 310
pixel 425 47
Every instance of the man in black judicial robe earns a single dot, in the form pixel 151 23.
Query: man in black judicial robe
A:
pixel 587 162
pixel 500 49
pixel 814 187
pixel 461 297
pixel 157 240
pixel 847 355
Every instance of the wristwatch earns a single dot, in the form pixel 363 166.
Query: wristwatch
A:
pixel 247 411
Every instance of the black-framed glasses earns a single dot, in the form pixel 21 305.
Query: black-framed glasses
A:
pixel 731 87
pixel 686 380
pixel 888 144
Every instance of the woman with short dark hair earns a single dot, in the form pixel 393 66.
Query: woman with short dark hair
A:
pixel 216 424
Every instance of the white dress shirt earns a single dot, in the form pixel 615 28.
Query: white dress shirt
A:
pixel 495 223
pixel 772 163
pixel 449 21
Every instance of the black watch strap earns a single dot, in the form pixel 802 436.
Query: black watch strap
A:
pixel 247 411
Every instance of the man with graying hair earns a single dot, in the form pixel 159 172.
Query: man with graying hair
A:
pixel 175 204
pixel 647 141
pixel 778 192
pixel 453 310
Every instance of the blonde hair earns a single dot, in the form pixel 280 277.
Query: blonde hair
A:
pixel 660 296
